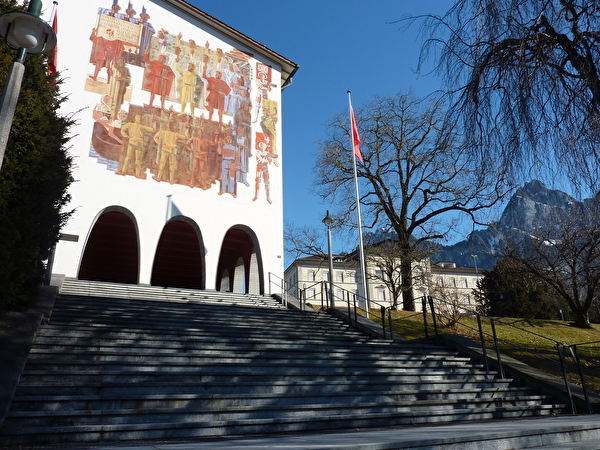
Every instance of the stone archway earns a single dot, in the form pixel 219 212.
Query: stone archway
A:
pixel 179 261
pixel 240 257
pixel 112 249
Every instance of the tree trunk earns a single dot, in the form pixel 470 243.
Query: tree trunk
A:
pixel 581 319
pixel 408 301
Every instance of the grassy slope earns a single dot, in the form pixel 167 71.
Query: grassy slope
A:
pixel 410 325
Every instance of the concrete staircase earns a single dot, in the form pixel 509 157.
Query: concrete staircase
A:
pixel 141 363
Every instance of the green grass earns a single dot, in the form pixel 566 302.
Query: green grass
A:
pixel 542 352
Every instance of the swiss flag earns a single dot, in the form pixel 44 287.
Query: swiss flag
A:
pixel 355 135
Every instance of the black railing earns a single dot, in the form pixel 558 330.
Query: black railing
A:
pixel 355 305
pixel 436 309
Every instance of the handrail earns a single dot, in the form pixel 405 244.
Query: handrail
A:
pixel 349 300
pixel 282 285
pixel 561 347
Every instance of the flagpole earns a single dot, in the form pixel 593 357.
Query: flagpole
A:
pixel 361 252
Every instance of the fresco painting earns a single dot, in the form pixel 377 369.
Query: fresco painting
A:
pixel 206 120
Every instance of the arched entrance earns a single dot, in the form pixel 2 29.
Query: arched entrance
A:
pixel 179 260
pixel 240 263
pixel 112 249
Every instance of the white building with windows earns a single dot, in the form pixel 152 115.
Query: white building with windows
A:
pixel 454 283
pixel 446 280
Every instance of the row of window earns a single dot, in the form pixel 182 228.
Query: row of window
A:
pixel 340 277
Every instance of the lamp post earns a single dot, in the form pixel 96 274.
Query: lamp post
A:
pixel 328 220
pixel 26 33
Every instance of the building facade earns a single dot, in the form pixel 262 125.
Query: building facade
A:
pixel 177 149
pixel 445 280
pixel 454 283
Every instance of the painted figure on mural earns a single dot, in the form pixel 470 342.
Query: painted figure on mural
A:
pixel 189 86
pixel 264 85
pixel 114 10
pixel 159 79
pixel 120 80
pixel 105 50
pixel 263 159
pixel 217 90
pixel 198 146
pixel 103 114
pixel 134 132
pixel 242 126
pixel 168 150
pixel 268 124
pixel 130 13
pixel 229 167
pixel 146 33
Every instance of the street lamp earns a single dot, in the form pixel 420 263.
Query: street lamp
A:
pixel 328 220
pixel 26 33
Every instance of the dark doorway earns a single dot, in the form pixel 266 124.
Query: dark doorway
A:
pixel 178 259
pixel 112 250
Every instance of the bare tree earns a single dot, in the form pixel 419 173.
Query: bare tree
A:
pixel 415 179
pixel 386 258
pixel 525 76
pixel 565 254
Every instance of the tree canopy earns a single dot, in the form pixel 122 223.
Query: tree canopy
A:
pixel 415 176
pixel 33 179
pixel 524 76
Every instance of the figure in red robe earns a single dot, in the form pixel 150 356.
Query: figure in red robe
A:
pixel 105 50
pixel 217 90
pixel 159 79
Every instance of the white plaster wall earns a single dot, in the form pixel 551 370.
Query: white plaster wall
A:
pixel 97 188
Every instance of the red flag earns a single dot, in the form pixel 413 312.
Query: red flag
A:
pixel 355 136
pixel 53 62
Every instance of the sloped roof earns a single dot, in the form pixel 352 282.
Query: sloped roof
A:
pixel 288 68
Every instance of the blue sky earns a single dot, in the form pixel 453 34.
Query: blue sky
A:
pixel 339 46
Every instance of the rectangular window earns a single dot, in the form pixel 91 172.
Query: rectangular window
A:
pixel 310 294
pixel 465 283
pixel 325 276
pixel 340 277
pixel 311 275
pixel 381 295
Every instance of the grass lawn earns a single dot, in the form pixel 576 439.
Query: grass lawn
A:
pixel 530 335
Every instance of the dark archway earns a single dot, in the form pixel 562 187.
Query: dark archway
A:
pixel 179 259
pixel 112 250
pixel 240 245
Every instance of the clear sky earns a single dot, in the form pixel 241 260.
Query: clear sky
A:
pixel 340 45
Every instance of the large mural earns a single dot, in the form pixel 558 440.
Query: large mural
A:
pixel 206 119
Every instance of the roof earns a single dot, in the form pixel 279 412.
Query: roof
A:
pixel 288 68
pixel 450 267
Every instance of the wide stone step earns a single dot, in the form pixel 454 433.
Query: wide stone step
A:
pixel 185 429
pixel 275 392
pixel 227 382
pixel 226 354
pixel 206 357
pixel 158 410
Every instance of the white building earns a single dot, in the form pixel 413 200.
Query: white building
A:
pixel 445 280
pixel 454 283
pixel 177 149
pixel 307 274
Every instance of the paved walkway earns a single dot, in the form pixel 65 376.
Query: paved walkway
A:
pixel 523 433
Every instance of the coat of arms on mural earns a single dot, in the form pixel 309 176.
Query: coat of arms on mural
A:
pixel 200 106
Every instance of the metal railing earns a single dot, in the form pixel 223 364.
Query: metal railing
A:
pixel 436 308
pixel 352 303
pixel 281 285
